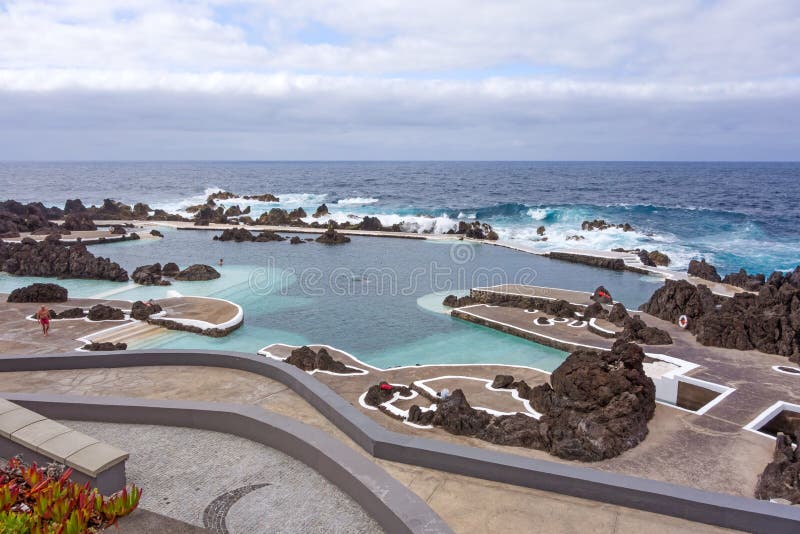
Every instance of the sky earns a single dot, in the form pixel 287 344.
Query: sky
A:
pixel 400 80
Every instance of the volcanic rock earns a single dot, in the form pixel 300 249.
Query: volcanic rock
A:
pixel 601 224
pixel 377 395
pixel 322 210
pixel 540 230
pixel 332 237
pixel 296 240
pixel 39 293
pixel 266 197
pixel 306 359
pixel 502 381
pixel 679 297
pixel 170 269
pixel 298 213
pixel 781 478
pixel 70 313
pixel 101 312
pixel 704 270
pixel 156 233
pixel 149 275
pixel 197 272
pixel 636 331
pixel 602 295
pixel 618 314
pixel 105 346
pixel 29 258
pixel 750 282
pixel 476 230
pixel 78 222
pixel 594 310
pixel 238 235
pixel 453 301
pixel 141 310
pixel 233 211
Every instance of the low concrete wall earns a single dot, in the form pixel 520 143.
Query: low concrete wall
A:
pixel 643 494
pixel 390 503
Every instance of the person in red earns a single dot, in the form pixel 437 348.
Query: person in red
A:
pixel 43 315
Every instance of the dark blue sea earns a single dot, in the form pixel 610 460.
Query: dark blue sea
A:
pixel 733 214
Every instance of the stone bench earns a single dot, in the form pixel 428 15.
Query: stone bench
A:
pixel 42 440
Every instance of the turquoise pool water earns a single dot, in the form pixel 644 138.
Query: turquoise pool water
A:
pixel 373 297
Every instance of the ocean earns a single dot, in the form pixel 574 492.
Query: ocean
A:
pixel 732 214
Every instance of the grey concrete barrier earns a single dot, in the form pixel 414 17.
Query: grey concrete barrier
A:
pixel 649 495
pixel 386 500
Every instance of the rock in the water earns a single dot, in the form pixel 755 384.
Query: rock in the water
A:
pixel 105 346
pixel 601 224
pixel 48 258
pixel 39 293
pixel 332 237
pixel 266 197
pixel 101 312
pixel 704 270
pixel 142 310
pixel 322 210
pixel 540 230
pixel 78 222
pixel 170 269
pixel 197 272
pixel 453 301
pixel 296 240
pixel 781 478
pixel 476 230
pixel 659 258
pixel 237 235
pixel 306 359
pixel 602 295
pixel 268 235
pixel 149 275
pixel 156 233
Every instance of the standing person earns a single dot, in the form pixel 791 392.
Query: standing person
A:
pixel 43 315
pixel 220 262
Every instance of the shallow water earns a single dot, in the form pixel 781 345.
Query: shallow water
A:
pixel 371 297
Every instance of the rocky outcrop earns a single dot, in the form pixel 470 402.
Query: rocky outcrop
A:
pixel 170 269
pixel 233 211
pixel 596 406
pixel 70 313
pixel 601 224
pixel 540 230
pixel 206 215
pixel 39 293
pixel 149 275
pixel 332 237
pixel 602 295
pixel 704 270
pixel 105 346
pixel 453 301
pixel 197 272
pixel 595 310
pixel 475 230
pixel 142 311
pixel 240 235
pixel 280 217
pixel 48 258
pixel 750 282
pixel 768 322
pixel 156 233
pixel 266 197
pixel 322 210
pixel 296 240
pixel 636 331
pixel 101 312
pixel 615 264
pixel 78 222
pixel 382 392
pixel 117 230
pixel 781 478
pixel 161 215
pixel 618 314
pixel 653 259
pixel 220 195
pixel 306 359
pixel 16 217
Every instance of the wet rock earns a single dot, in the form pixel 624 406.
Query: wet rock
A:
pixel 750 282
pixel 382 392
pixel 781 478
pixel 602 295
pixel 296 241
pixel 332 237
pixel 170 269
pixel 47 258
pixel 298 213
pixel 306 359
pixel 156 233
pixel 118 230
pixel 39 293
pixel 575 238
pixel 237 235
pixel 704 270
pixel 101 312
pixel 206 215
pixel 197 272
pixel 141 310
pixel 658 258
pixel 275 217
pixel 540 230
pixel 268 235
pixel 266 197
pixel 149 275
pixel 233 211
pixel 78 222
pixel 371 223
pixel 476 230
pixel 322 210
pixel 105 346
pixel 161 215
pixel 601 224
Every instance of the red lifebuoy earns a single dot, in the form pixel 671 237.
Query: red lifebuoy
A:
pixel 683 321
